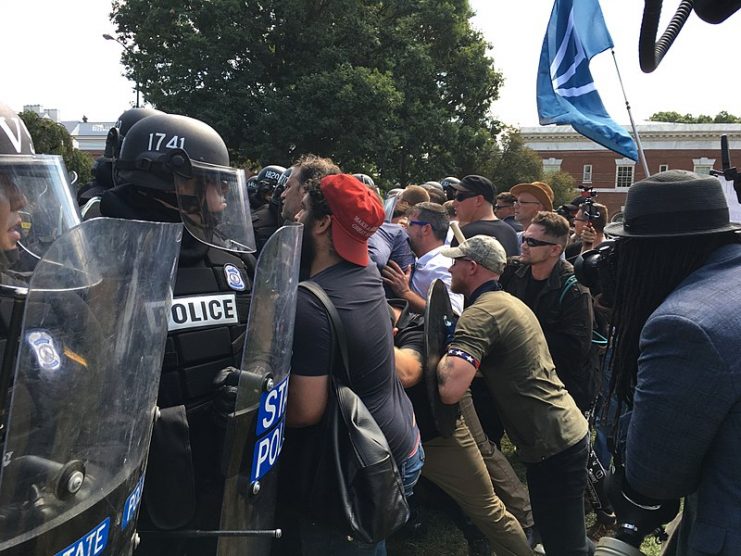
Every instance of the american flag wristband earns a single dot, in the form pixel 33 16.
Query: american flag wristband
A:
pixel 455 352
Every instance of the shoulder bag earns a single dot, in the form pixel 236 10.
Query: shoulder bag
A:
pixel 356 486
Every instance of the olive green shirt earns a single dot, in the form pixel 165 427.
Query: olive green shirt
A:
pixel 539 415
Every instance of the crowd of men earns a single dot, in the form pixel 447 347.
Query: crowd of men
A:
pixel 525 355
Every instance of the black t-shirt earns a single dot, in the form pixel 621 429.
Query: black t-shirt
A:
pixel 357 293
pixel 532 290
pixel 498 229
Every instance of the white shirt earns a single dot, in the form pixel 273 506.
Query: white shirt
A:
pixel 429 267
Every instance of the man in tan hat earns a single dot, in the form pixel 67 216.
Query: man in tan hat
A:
pixel 531 199
pixel 499 336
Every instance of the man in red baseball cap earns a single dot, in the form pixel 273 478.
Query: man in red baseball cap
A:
pixel 339 214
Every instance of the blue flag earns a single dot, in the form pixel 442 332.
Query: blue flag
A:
pixel 566 91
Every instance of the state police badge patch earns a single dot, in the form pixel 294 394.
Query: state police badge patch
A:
pixel 42 345
pixel 234 278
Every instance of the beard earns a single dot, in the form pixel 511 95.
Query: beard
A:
pixel 308 252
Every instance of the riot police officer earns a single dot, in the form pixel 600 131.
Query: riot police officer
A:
pixel 266 214
pixel 174 168
pixel 36 207
pixel 88 196
pixel 75 432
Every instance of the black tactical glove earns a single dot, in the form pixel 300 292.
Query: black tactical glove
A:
pixel 636 514
pixel 225 383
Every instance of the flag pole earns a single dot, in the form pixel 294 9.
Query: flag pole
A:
pixel 641 154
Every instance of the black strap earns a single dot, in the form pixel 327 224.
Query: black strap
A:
pixel 335 323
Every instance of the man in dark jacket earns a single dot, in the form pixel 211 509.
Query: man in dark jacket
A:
pixel 546 283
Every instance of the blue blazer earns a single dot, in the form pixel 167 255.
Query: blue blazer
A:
pixel 684 437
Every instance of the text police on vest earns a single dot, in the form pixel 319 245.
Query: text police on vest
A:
pixel 202 310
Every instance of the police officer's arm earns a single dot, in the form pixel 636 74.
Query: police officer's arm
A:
pixel 454 375
pixel 307 399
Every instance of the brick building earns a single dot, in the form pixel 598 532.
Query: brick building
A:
pixel 694 147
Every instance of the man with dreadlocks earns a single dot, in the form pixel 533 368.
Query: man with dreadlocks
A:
pixel 677 363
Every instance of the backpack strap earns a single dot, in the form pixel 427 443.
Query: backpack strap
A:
pixel 570 283
pixel 597 338
pixel 340 341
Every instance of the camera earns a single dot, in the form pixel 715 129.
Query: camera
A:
pixel 596 270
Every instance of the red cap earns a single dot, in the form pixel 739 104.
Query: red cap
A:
pixel 356 215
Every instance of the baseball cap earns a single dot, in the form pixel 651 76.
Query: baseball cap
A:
pixel 478 185
pixel 485 250
pixel 356 215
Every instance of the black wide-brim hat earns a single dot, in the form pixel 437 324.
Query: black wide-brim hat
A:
pixel 675 203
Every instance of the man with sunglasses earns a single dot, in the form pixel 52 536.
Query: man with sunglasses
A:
pixel 474 206
pixel 428 226
pixel 504 208
pixel 531 199
pixel 499 338
pixel 545 282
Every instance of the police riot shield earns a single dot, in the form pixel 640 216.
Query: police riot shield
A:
pixel 388 208
pixel 256 428
pixel 85 387
pixel 439 322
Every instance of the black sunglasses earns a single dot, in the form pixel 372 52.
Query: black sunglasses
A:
pixel 500 207
pixel 462 196
pixel 532 242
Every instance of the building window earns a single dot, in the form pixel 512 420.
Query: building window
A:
pixel 703 165
pixel 624 176
pixel 586 176
pixel 663 167
pixel 551 165
pixel 624 172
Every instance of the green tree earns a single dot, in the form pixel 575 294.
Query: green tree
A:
pixel 721 117
pixel 724 117
pixel 515 162
pixel 563 185
pixel 50 137
pixel 398 88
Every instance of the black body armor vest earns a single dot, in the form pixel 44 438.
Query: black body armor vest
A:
pixel 206 326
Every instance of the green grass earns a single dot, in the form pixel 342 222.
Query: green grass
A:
pixel 442 538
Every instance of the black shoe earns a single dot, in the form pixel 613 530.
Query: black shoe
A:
pixel 532 536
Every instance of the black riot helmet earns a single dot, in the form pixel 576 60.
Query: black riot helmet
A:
pixel 36 201
pixel 265 183
pixel 176 157
pixel 447 184
pixel 269 177
pixel 124 123
pixel 276 198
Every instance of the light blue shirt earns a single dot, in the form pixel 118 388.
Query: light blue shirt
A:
pixel 430 267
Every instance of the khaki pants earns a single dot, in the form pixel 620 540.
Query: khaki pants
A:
pixel 507 484
pixel 456 466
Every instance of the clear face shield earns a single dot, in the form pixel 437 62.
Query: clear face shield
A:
pixel 215 208
pixel 36 207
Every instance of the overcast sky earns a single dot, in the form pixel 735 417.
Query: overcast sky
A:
pixel 53 54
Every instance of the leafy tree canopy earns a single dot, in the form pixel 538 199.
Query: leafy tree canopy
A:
pixel 399 89
pixel 721 117
pixel 563 185
pixel 514 162
pixel 50 137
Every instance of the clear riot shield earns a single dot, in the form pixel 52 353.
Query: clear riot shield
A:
pixel 85 389
pixel 255 430
pixel 388 208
